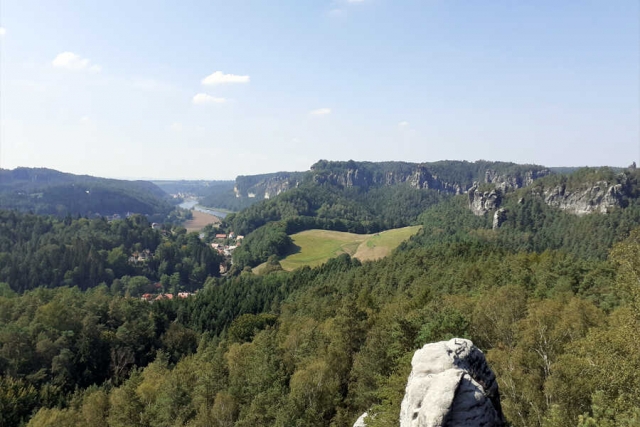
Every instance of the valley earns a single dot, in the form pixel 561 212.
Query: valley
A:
pixel 305 307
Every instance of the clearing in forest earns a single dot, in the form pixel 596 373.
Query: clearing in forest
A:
pixel 315 247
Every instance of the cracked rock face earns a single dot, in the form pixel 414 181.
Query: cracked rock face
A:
pixel 482 202
pixel 451 385
pixel 598 198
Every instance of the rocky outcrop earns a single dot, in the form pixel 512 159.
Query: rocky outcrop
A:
pixel 515 180
pixel 267 185
pixel 499 217
pixel 422 178
pixel 360 421
pixel 600 197
pixel 451 384
pixel 481 202
pixel 448 177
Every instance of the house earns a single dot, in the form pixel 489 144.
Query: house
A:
pixel 232 235
pixel 144 255
pixel 147 297
pixel 164 296
pixel 184 294
pixel 239 237
pixel 221 236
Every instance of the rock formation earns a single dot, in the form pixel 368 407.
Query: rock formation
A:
pixel 360 422
pixel 482 202
pixel 267 185
pixel 516 180
pixel 451 385
pixel 600 197
pixel 499 217
pixel 452 178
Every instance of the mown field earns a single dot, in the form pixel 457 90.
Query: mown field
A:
pixel 200 220
pixel 315 247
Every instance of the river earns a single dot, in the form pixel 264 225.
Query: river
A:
pixel 193 204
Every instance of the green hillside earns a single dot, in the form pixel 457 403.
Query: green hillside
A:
pixel 315 247
pixel 50 192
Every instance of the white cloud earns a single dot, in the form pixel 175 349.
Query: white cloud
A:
pixel 203 98
pixel 320 112
pixel 176 127
pixel 403 124
pixel 219 78
pixel 71 61
pixel 3 31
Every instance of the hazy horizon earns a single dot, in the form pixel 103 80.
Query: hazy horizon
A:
pixel 143 178
pixel 212 90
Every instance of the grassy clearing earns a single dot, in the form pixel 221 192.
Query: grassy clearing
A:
pixel 315 247
pixel 380 245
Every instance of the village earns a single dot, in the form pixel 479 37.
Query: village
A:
pixel 223 244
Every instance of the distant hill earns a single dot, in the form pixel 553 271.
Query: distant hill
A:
pixel 212 194
pixel 196 188
pixel 358 197
pixel 47 191
pixel 369 196
pixel 447 176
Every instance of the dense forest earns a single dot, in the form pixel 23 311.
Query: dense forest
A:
pixel 550 297
pixel 39 251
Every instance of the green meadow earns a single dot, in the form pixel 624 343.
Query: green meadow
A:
pixel 315 247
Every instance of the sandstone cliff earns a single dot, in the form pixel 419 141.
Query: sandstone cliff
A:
pixel 481 202
pixel 267 185
pixel 449 177
pixel 599 197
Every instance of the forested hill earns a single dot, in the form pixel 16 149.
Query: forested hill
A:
pixel 43 251
pixel 47 191
pixel 359 197
pixel 363 197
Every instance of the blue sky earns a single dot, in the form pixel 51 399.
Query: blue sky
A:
pixel 211 89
